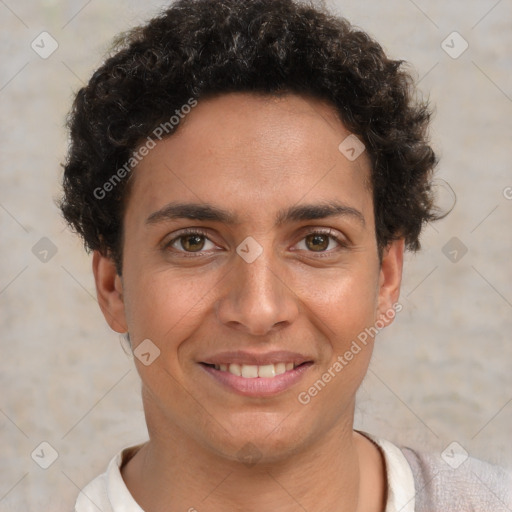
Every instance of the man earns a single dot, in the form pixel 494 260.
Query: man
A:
pixel 248 175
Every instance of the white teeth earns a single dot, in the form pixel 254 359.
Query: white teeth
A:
pixel 235 369
pixel 280 368
pixel 251 371
pixel 267 371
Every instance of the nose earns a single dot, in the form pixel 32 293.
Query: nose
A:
pixel 258 297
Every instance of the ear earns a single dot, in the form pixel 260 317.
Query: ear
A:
pixel 109 290
pixel 390 280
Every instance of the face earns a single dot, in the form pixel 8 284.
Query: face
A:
pixel 250 263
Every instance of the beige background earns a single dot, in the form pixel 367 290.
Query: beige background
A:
pixel 441 373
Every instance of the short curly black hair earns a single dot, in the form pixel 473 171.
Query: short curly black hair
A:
pixel 199 48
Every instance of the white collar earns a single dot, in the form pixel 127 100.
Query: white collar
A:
pixel 401 490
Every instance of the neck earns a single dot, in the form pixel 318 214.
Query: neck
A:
pixel 341 472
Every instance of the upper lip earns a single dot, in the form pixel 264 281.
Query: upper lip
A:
pixel 258 359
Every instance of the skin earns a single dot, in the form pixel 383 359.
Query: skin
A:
pixel 254 156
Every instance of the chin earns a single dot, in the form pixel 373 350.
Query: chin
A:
pixel 262 440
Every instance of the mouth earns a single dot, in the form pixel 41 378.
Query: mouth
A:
pixel 256 376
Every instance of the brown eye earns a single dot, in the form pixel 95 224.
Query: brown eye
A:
pixel 317 242
pixel 189 242
pixel 192 243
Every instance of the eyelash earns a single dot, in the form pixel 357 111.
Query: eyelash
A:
pixel 196 231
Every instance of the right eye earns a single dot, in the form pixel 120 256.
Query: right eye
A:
pixel 189 241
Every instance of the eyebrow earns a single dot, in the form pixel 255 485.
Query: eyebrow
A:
pixel 209 212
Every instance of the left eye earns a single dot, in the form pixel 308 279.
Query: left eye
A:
pixel 318 242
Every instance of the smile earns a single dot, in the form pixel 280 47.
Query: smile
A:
pixel 252 380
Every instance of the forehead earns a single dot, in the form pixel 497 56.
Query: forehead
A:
pixel 253 154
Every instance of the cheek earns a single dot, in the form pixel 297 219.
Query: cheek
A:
pixel 164 306
pixel 344 300
pixel 166 309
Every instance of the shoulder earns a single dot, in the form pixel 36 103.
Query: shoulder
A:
pixel 458 483
pixel 108 492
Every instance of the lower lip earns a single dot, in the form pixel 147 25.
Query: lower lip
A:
pixel 258 386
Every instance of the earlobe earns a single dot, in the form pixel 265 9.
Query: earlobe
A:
pixel 390 280
pixel 109 290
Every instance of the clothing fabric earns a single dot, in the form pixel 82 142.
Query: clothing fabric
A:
pixel 474 486
pixel 416 482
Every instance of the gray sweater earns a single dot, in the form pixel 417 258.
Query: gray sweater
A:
pixel 475 486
